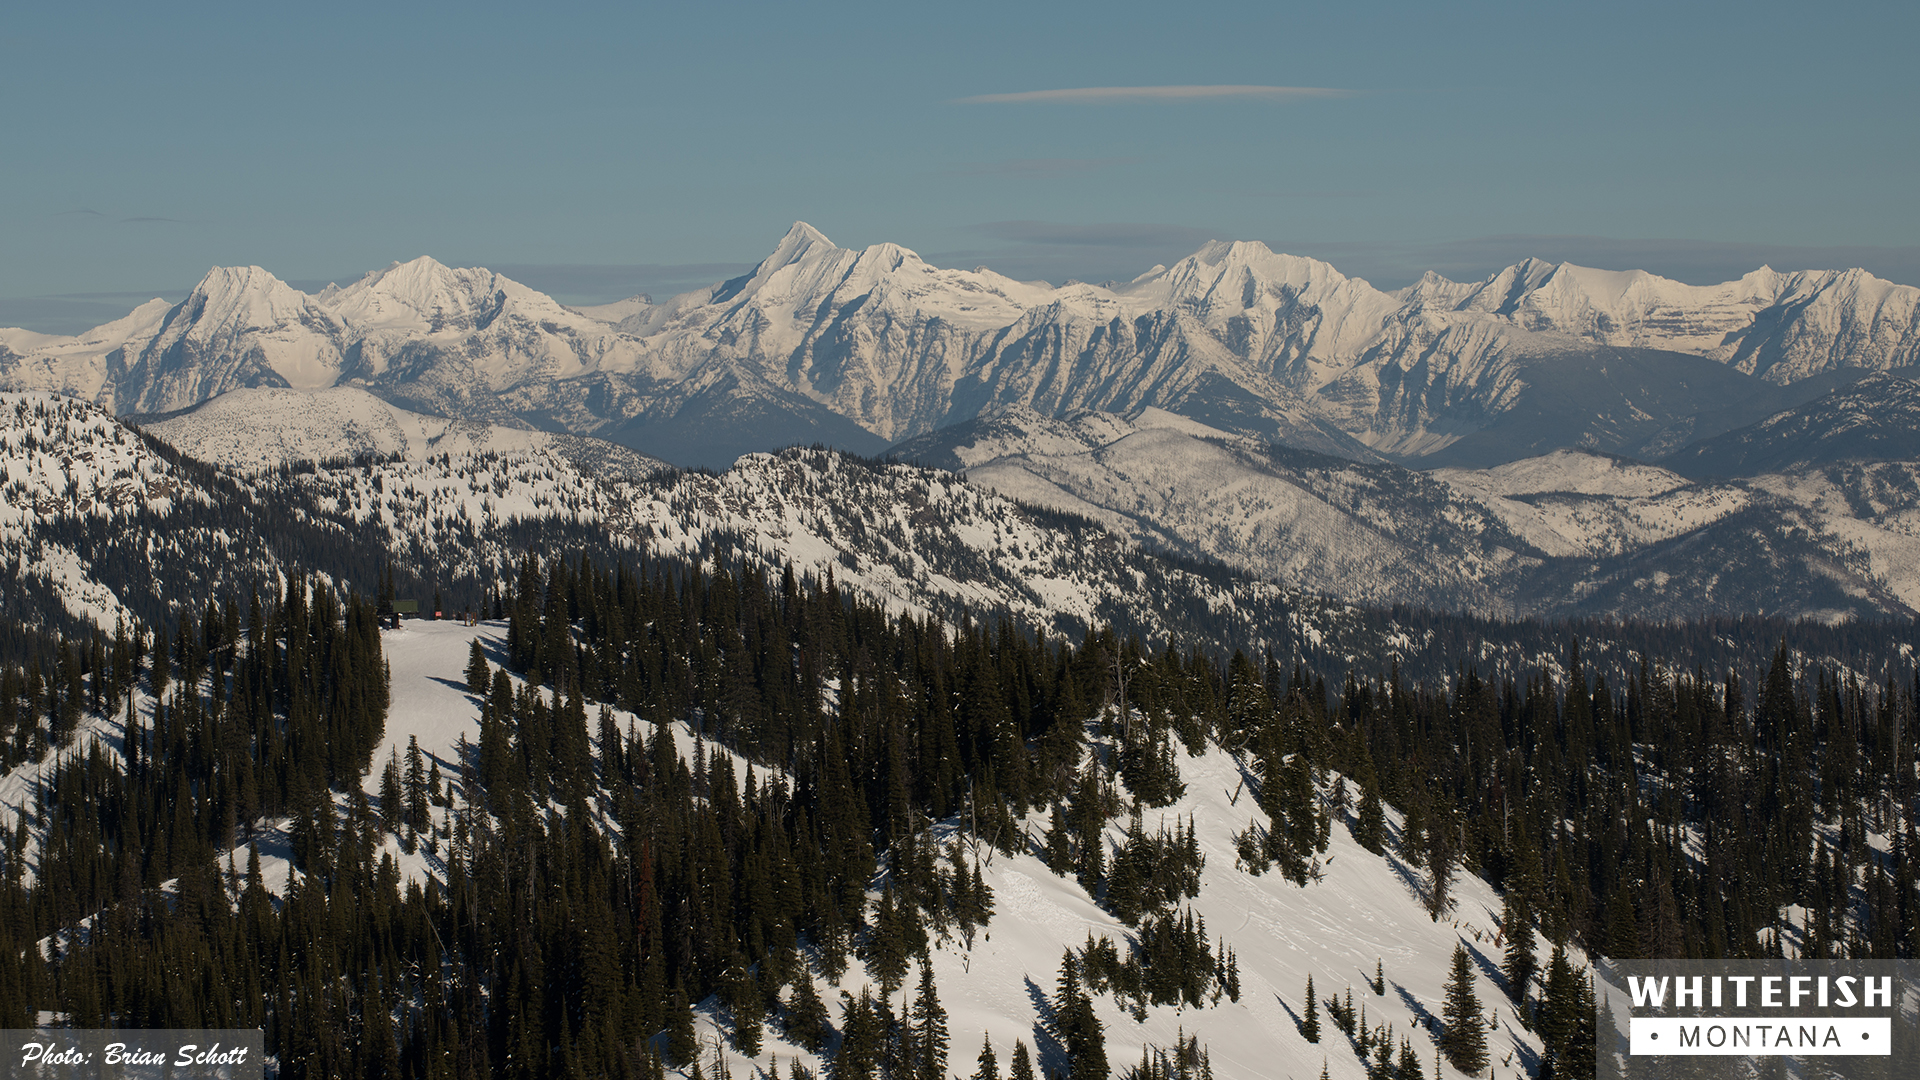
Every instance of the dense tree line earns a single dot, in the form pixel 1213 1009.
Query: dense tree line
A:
pixel 1673 814
pixel 847 773
pixel 246 724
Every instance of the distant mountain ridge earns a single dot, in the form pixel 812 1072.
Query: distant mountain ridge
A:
pixel 1875 419
pixel 99 519
pixel 864 348
pixel 254 430
pixel 1566 534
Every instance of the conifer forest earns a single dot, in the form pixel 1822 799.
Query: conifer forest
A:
pixel 848 773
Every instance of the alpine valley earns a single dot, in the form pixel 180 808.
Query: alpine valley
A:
pixel 866 669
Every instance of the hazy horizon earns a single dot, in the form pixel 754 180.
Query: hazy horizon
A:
pixel 602 151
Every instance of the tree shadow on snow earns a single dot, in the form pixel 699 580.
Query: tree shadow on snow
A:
pixel 1291 1015
pixel 1051 1056
pixel 495 650
pixel 1409 877
pixel 1487 967
pixel 457 684
pixel 1414 1006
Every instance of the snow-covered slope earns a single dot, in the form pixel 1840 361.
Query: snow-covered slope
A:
pixel 98 518
pixel 1872 508
pixel 1360 910
pixel 455 504
pixel 1875 419
pixel 1568 472
pixel 80 365
pixel 911 539
pixel 860 348
pixel 1369 533
pixel 1566 533
pixel 259 430
pixel 1365 908
pixel 64 459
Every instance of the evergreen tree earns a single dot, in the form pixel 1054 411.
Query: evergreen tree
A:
pixel 1463 1041
pixel 1559 1017
pixel 1077 1025
pixel 1622 929
pixel 1370 827
pixel 1440 858
pixel 1408 1067
pixel 683 1045
pixel 745 1006
pixel 1310 1015
pixel 805 1019
pixel 929 1021
pixel 1519 963
pixel 1020 1066
pixel 887 945
pixel 479 677
pixel 989 1065
pixel 863 1040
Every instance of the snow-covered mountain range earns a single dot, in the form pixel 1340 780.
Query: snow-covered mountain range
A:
pixel 100 520
pixel 1566 533
pixel 1179 532
pixel 1213 455
pixel 864 348
pixel 1298 536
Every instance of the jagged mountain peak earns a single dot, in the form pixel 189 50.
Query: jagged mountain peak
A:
pixel 802 246
pixel 231 302
pixel 1502 292
pixel 420 294
pixel 1434 290
pixel 807 276
pixel 1236 335
pixel 801 233
pixel 1226 280
pixel 1216 252
pixel 1226 256
pixel 249 288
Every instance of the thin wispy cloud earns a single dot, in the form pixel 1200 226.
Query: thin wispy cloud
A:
pixel 1325 194
pixel 1038 167
pixel 1122 95
pixel 87 212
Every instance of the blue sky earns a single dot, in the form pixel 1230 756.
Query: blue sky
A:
pixel 600 150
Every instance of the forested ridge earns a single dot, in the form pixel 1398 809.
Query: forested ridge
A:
pixel 599 882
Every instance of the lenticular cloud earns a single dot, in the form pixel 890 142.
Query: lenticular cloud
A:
pixel 1115 95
